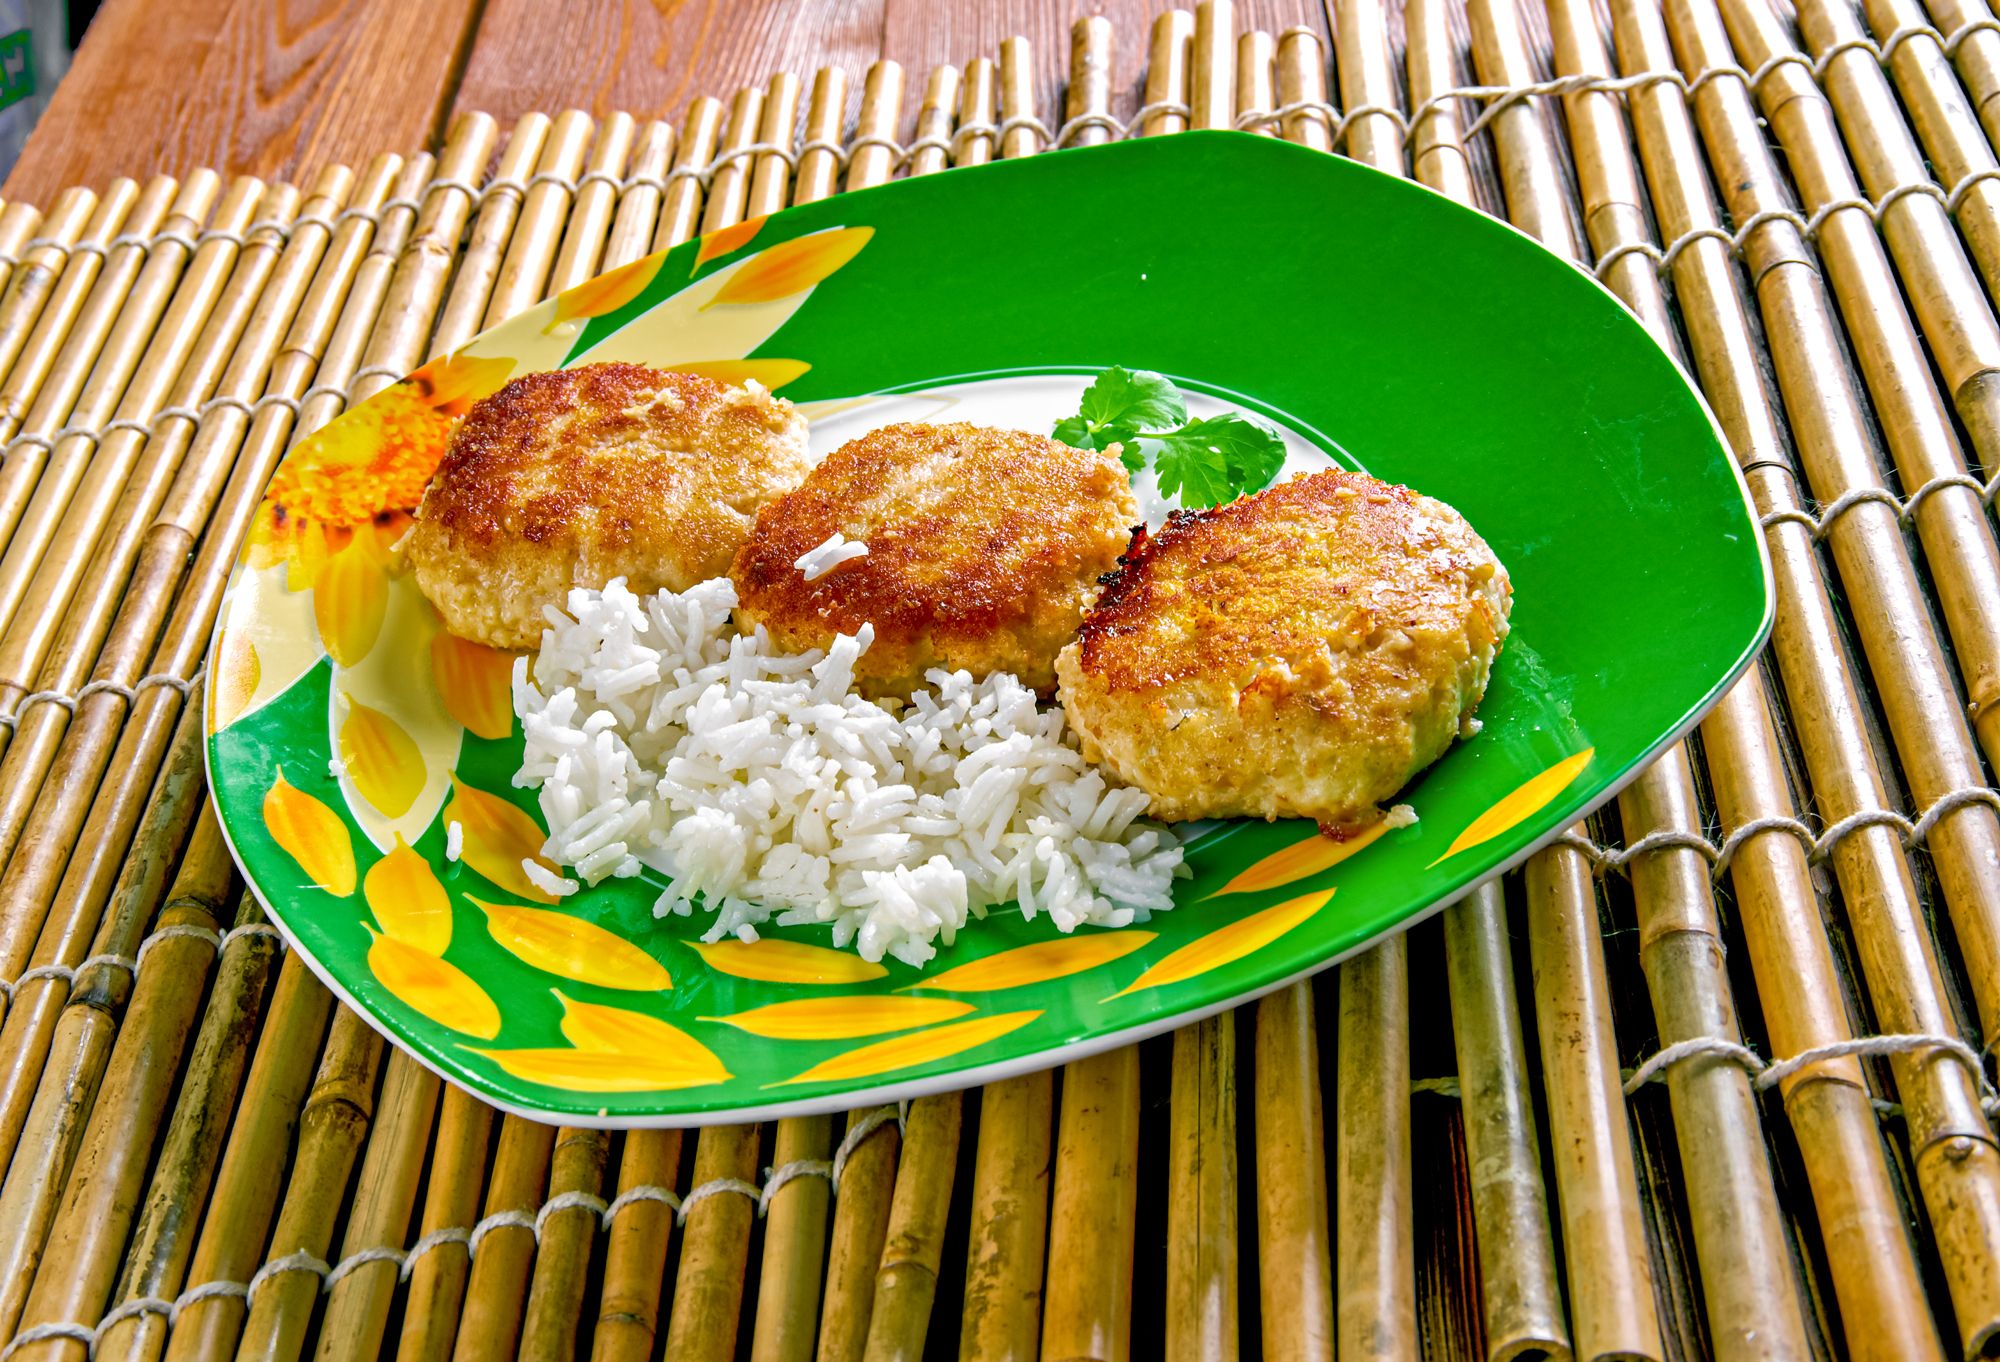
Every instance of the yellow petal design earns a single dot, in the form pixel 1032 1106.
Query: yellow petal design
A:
pixel 772 373
pixel 721 242
pixel 906 1051
pixel 560 944
pixel 408 902
pixel 596 1070
pixel 1307 856
pixel 312 833
pixel 381 759
pixel 475 682
pixel 1229 943
pixel 453 383
pixel 843 1018
pixel 606 293
pixel 350 596
pixel 498 837
pixel 786 962
pixel 791 266
pixel 1038 963
pixel 234 685
pixel 616 1031
pixel 434 987
pixel 1526 801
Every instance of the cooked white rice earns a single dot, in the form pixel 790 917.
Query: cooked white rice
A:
pixel 824 557
pixel 662 739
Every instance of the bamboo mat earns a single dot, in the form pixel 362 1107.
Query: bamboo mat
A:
pixel 1708 1078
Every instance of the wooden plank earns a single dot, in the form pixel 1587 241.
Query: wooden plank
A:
pixel 650 59
pixel 244 86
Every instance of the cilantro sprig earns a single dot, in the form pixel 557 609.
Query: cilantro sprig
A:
pixel 1204 462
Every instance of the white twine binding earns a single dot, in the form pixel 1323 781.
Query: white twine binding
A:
pixel 469 1238
pixel 130 694
pixel 1764 1076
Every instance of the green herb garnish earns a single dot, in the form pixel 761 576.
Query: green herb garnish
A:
pixel 1204 462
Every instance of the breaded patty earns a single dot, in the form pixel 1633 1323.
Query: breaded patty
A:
pixel 1299 653
pixel 575 477
pixel 984 550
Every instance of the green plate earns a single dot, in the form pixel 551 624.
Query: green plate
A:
pixel 1379 325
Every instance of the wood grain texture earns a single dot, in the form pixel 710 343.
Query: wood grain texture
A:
pixel 275 88
pixel 650 57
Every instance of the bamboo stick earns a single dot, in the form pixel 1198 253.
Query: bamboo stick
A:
pixel 385 1191
pixel 1256 88
pixel 1301 78
pixel 682 210
pixel 1017 99
pixel 1375 1273
pixel 562 1262
pixel 1091 45
pixel 437 1279
pixel 50 332
pixel 537 228
pixel 18 222
pixel 1010 1215
pixel 978 112
pixel 772 181
pixel 1753 1308
pixel 332 1126
pixel 1212 65
pixel 1088 1309
pixel 163 1237
pixel 715 1249
pixel 47 289
pixel 1896 955
pixel 254 1162
pixel 136 1074
pixel 906 1283
pixel 594 204
pixel 934 119
pixel 1294 1274
pixel 492 226
pixel 1201 1188
pixel 635 1259
pixel 639 206
pixel 1170 57
pixel 730 186
pixel 826 117
pixel 1978 57
pixel 860 1225
pixel 490 1324
pixel 794 1245
pixel 881 112
pixel 1521 1303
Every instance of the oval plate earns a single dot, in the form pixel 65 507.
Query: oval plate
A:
pixel 1434 346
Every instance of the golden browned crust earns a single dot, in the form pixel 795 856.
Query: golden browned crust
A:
pixel 984 549
pixel 1301 652
pixel 573 477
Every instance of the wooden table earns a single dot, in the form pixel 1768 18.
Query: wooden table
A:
pixel 277 89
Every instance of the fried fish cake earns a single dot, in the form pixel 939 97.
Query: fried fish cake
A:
pixel 1298 653
pixel 575 477
pixel 984 550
